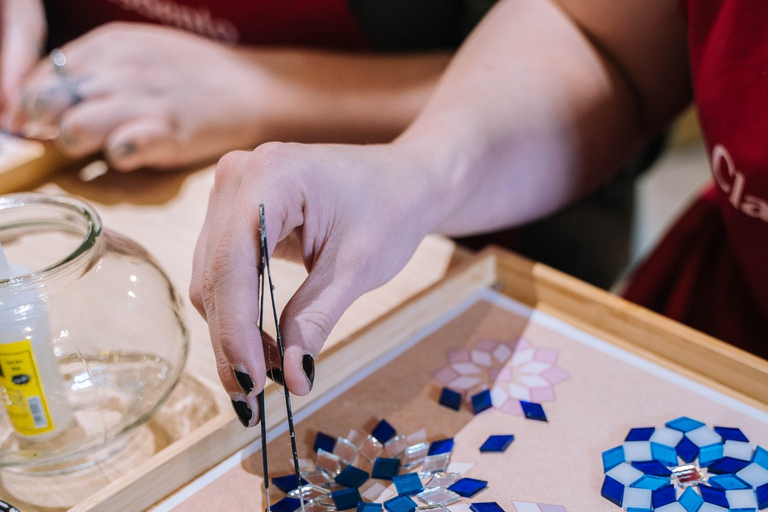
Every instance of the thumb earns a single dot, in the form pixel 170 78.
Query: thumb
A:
pixel 311 314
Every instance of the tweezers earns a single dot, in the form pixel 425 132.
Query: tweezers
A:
pixel 265 265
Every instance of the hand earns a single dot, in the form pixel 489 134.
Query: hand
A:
pixel 360 213
pixel 23 32
pixel 147 96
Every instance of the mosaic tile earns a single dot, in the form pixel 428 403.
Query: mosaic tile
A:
pixel 369 507
pixel 409 483
pixel 328 462
pixel 497 443
pixel 346 498
pixel 440 446
pixel 371 448
pixel 395 446
pixel 345 450
pixel 731 434
pixel 450 399
pixel 443 480
pixel 468 487
pixel 459 356
pixel 324 442
pixel 435 464
pixel 383 432
pixel 684 424
pixel 287 483
pixel 373 492
pixel 351 476
pixel 385 468
pixel 640 434
pixel 415 455
pixel 355 437
pixel 400 503
pixel 286 505
pixel 533 411
pixel 481 358
pixel 486 506
pixel 481 401
pixel 309 492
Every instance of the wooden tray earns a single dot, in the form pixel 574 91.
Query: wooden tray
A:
pixel 683 351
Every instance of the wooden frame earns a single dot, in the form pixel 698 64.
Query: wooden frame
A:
pixel 654 337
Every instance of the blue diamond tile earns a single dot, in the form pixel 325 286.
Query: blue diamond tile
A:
pixel 450 399
pixel 690 500
pixel 325 442
pixel 533 411
pixel 650 482
pixel 497 443
pixel 286 505
pixel 663 496
pixel 287 483
pixel 728 482
pixel 761 493
pixel 710 453
pixel 760 457
pixel 635 509
pixel 351 476
pixel 612 458
pixel 481 401
pixel 440 446
pixel 652 467
pixel 664 454
pixel 684 424
pixel 727 465
pixel 408 484
pixel 686 450
pixel 385 468
pixel 486 506
pixel 613 491
pixel 713 495
pixel 731 434
pixel 468 487
pixel 640 434
pixel 346 498
pixel 400 503
pixel 364 506
pixel 383 432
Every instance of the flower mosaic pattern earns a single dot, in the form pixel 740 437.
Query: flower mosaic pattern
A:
pixel 513 370
pixel 686 466
pixel 521 506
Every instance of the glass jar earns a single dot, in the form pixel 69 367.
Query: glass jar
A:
pixel 104 325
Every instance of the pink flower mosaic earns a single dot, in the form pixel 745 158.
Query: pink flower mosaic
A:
pixel 514 370
pixel 521 506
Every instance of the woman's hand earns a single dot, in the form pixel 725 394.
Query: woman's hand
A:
pixel 354 209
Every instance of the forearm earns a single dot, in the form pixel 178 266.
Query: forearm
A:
pixel 528 116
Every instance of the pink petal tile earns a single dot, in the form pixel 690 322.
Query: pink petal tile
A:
pixel 464 383
pixel 522 506
pixel 486 345
pixel 543 394
pixel 522 344
pixel 498 397
pixel 555 375
pixel 493 374
pixel 505 374
pixel 519 392
pixel 546 355
pixel 534 367
pixel 466 368
pixel 533 381
pixel 481 358
pixel 512 407
pixel 521 357
pixel 458 356
pixel 502 353
pixel 551 508
pixel 445 375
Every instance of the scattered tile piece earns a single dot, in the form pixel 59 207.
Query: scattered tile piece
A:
pixel 368 507
pixel 346 498
pixel 383 432
pixel 497 443
pixel 345 450
pixel 395 446
pixel 468 487
pixel 351 476
pixel 443 480
pixel 408 484
pixel 324 441
pixel 440 446
pixel 287 483
pixel 385 468
pixel 401 503
pixel 533 411
pixel 481 401
pixel 371 448
pixel 435 464
pixel 286 505
pixel 486 506
pixel 373 492
pixel 450 399
pixel 415 455
pixel 328 462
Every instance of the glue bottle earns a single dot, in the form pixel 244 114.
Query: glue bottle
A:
pixel 31 385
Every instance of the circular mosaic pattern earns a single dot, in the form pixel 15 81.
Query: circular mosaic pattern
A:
pixel 686 466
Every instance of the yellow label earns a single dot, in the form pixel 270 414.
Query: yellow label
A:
pixel 22 390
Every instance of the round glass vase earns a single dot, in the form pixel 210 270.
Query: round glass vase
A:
pixel 107 333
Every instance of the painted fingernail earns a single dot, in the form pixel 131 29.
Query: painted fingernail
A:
pixel 243 411
pixel 123 149
pixel 243 378
pixel 308 363
pixel 276 374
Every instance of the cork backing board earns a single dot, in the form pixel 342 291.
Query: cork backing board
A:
pixel 602 393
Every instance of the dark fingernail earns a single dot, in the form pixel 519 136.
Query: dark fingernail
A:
pixel 244 413
pixel 245 380
pixel 124 149
pixel 308 363
pixel 276 374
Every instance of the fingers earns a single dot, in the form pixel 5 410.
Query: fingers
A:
pixel 141 142
pixel 84 128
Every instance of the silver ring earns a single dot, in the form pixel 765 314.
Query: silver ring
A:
pixel 58 59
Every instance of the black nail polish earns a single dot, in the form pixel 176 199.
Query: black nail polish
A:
pixel 245 381
pixel 276 374
pixel 244 413
pixel 124 149
pixel 308 363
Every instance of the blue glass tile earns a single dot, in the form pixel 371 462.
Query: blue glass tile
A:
pixel 690 500
pixel 533 411
pixel 497 443
pixel 287 483
pixel 450 399
pixel 652 467
pixel 761 457
pixel 385 468
pixel 613 491
pixel 664 454
pixel 684 424
pixel 346 498
pixel 635 509
pixel 351 476
pixel 713 495
pixel 468 487
pixel 728 482
pixel 441 446
pixel 286 505
pixel 481 401
pixel 325 442
pixel 408 484
pixel 727 465
pixel 686 450
pixel 663 496
pixel 761 493
pixel 709 454
pixel 383 432
pixel 364 506
pixel 612 458
pixel 486 506
pixel 400 503
pixel 650 482
pixel 731 434
pixel 640 434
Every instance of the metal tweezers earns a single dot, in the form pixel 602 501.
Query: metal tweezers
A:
pixel 265 265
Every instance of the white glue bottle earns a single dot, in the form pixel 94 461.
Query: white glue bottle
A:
pixel 31 385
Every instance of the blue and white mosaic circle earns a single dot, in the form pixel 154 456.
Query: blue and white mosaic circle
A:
pixel 686 466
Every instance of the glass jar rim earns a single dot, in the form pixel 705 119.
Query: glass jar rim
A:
pixel 68 203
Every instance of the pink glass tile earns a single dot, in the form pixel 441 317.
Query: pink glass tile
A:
pixel 466 368
pixel 555 375
pixel 458 356
pixel 486 345
pixel 546 355
pixel 533 381
pixel 535 367
pixel 512 407
pixel 519 392
pixel 522 344
pixel 505 375
pixel 499 396
pixel 502 353
pixel 481 358
pixel 545 394
pixel 464 383
pixel 551 508
pixel 522 356
pixel 445 375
